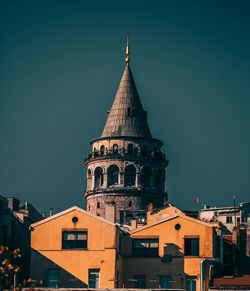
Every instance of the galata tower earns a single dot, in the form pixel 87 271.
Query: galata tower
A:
pixel 125 168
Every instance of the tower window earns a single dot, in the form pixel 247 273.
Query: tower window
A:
pixel 113 172
pixel 98 204
pixel 145 177
pixel 130 174
pixel 115 148
pixel 144 150
pixel 130 148
pixel 159 180
pixel 98 177
pixel 130 204
pixel 129 111
pixel 102 149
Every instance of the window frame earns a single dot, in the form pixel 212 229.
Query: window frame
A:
pixel 67 243
pixel 192 250
pixel 146 251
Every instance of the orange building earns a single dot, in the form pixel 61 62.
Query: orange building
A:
pixel 77 249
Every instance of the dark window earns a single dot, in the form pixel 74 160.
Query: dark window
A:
pixel 130 174
pixel 94 278
pixel 146 247
pixel 165 282
pixel 140 281
pixel 53 278
pixel 191 247
pixel 144 150
pixel 98 177
pixel 191 283
pixel 130 148
pixel 121 216
pixel 113 172
pixel 102 149
pixel 229 219
pixel 74 239
pixel 159 180
pixel 129 111
pixel 98 204
pixel 130 204
pixel 145 177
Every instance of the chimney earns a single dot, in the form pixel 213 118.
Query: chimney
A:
pixel 134 224
pixel 50 211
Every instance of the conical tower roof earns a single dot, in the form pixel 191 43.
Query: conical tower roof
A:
pixel 127 117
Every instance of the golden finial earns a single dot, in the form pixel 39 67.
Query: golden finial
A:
pixel 127 51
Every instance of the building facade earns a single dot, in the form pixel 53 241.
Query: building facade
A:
pixel 75 248
pixel 126 167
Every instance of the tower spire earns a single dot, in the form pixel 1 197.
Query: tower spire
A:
pixel 127 50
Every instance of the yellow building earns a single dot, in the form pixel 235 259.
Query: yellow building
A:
pixel 77 249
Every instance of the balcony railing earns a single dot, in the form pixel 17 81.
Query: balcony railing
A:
pixel 124 154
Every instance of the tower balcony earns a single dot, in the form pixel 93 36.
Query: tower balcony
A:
pixel 123 154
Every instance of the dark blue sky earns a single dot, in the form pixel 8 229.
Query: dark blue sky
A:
pixel 60 66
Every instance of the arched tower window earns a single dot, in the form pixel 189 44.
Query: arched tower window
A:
pixel 113 172
pixel 159 180
pixel 130 173
pixel 98 177
pixel 130 148
pixel 102 149
pixel 98 204
pixel 144 150
pixel 145 177
pixel 89 179
pixel 115 148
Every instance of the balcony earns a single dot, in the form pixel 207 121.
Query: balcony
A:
pixel 122 154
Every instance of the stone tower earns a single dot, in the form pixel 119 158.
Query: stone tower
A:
pixel 126 168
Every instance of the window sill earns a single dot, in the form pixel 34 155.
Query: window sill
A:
pixel 75 249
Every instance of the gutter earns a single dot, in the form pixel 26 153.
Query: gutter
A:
pixel 202 269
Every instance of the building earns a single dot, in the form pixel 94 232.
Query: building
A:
pixel 75 248
pixel 15 220
pixel 230 216
pixel 126 167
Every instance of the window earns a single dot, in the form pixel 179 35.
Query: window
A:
pixel 159 180
pixel 129 111
pixel 98 204
pixel 115 148
pixel 74 239
pixel 98 177
pixel 130 204
pixel 140 281
pixel 102 149
pixel 113 172
pixel 130 174
pixel 53 278
pixel 165 282
pixel 94 278
pixel 145 177
pixel 191 283
pixel 130 148
pixel 191 247
pixel 144 150
pixel 146 247
pixel 229 219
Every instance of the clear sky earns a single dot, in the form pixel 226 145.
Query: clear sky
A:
pixel 60 66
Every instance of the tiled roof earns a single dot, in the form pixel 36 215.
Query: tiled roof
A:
pixel 127 117
pixel 243 281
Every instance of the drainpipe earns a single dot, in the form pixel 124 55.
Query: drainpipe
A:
pixel 202 269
